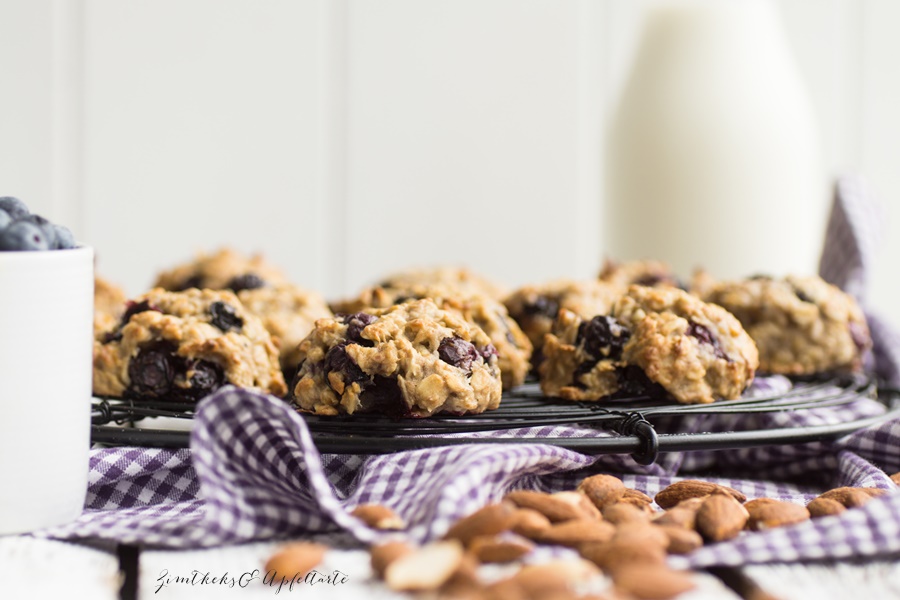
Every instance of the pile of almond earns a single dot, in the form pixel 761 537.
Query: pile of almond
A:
pixel 616 530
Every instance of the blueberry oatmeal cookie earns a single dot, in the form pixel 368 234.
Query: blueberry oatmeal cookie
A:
pixel 289 313
pixel 183 346
pixel 655 341
pixel 455 278
pixel 513 347
pixel 801 325
pixel 639 272
pixel 412 359
pixel 535 308
pixel 222 270
pixel 109 304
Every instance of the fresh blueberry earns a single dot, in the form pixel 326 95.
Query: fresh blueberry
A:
pixel 458 352
pixel 355 325
pixel 46 226
pixel 603 337
pixel 247 281
pixel 703 334
pixel 15 207
pixel 23 235
pixel 5 219
pixel 633 381
pixel 224 317
pixel 65 240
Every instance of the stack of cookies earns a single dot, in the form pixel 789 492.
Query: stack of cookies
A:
pixel 446 340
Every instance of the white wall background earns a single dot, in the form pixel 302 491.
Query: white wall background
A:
pixel 347 138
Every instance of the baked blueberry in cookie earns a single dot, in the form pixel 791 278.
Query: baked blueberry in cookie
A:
pixel 655 342
pixel 224 269
pixel 801 325
pixel 287 311
pixel 512 346
pixel 410 359
pixel 535 307
pixel 184 345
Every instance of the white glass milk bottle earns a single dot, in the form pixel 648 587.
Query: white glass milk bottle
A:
pixel 712 157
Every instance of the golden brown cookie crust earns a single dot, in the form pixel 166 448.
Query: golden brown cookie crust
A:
pixel 650 273
pixel 802 325
pixel 109 304
pixel 696 352
pixel 394 362
pixel 513 346
pixel 184 323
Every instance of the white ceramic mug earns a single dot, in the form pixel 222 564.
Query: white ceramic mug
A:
pixel 46 328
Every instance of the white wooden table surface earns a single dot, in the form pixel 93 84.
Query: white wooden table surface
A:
pixel 37 568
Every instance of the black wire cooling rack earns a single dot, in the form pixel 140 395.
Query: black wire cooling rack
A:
pixel 638 424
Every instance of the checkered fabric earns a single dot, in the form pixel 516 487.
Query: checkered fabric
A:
pixel 253 471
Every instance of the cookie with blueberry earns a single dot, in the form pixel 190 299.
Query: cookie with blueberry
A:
pixel 109 305
pixel 657 342
pixel 184 345
pixel 224 269
pixel 801 325
pixel 289 313
pixel 513 346
pixel 459 279
pixel 411 359
pixel 651 273
pixel 535 307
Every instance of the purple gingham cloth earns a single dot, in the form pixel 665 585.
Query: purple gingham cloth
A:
pixel 253 471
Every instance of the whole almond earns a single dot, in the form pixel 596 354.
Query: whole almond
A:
pixel 652 582
pixel 750 504
pixel 612 555
pixel 489 520
pixel 873 492
pixel 693 488
pixel 644 533
pixel 464 582
pixel 297 558
pixel 378 516
pixel 553 508
pixel 850 497
pixel 528 522
pixel 896 478
pixel 681 540
pixel 682 517
pixel 636 496
pixel 579 501
pixel 489 549
pixel 558 575
pixel 427 568
pixel 382 555
pixel 824 507
pixel 621 512
pixel 721 518
pixel 767 515
pixel 602 489
pixel 574 533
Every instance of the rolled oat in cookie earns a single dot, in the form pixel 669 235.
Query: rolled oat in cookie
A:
pixel 109 304
pixel 411 359
pixel 513 347
pixel 651 273
pixel 801 325
pixel 654 341
pixel 183 346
